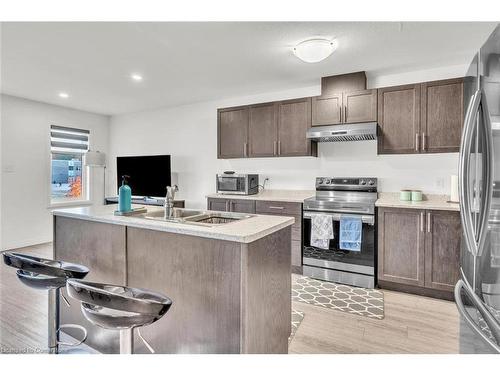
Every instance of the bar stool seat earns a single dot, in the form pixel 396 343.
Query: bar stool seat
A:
pixel 50 275
pixel 119 307
pixel 40 273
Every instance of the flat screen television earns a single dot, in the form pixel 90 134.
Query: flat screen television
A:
pixel 149 175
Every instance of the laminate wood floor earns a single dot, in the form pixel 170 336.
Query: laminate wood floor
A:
pixel 412 324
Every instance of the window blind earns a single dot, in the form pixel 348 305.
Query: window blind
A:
pixel 64 139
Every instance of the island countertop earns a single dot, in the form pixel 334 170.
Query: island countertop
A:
pixel 244 231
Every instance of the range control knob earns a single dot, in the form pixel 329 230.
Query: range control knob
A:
pixel 362 182
pixel 327 181
pixel 320 181
pixel 371 182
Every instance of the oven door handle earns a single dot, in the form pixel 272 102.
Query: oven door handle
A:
pixel 366 219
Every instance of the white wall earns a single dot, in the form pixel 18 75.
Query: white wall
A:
pixel 188 133
pixel 25 153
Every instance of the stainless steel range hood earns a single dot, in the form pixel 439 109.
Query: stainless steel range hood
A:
pixel 343 133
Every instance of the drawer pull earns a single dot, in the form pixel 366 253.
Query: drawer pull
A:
pixel 276 208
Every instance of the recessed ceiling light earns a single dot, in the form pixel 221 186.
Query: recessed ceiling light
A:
pixel 63 95
pixel 136 77
pixel 315 50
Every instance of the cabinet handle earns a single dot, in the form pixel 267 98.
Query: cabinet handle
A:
pixel 345 113
pixel 428 222
pixel 274 148
pixel 279 147
pixel 277 208
pixel 245 153
pixel 422 225
pixel 423 141
pixel 227 206
pixel 417 142
pixel 231 205
pixel 340 114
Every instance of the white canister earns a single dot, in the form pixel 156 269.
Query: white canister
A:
pixel 454 188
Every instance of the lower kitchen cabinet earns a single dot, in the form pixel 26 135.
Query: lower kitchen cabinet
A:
pixel 216 204
pixel 231 205
pixel 401 240
pixel 260 207
pixel 442 249
pixel 419 250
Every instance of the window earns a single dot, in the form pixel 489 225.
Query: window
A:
pixel 68 180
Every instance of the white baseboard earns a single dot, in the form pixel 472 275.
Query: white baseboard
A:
pixel 11 245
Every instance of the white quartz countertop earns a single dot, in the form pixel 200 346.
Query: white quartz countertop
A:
pixel 429 202
pixel 245 231
pixel 297 196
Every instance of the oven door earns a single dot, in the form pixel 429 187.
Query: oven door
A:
pixel 359 262
pixel 231 185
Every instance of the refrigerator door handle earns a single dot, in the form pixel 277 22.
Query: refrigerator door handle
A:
pixel 478 304
pixel 487 187
pixel 464 171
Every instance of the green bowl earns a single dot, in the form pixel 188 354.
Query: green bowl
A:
pixel 405 195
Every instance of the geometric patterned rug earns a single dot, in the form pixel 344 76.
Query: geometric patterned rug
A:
pixel 350 299
pixel 297 317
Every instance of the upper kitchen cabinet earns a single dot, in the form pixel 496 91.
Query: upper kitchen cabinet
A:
pixel 294 119
pixel 266 130
pixel 344 99
pixel 399 119
pixel 360 106
pixel 327 110
pixel 442 115
pixel 421 118
pixel 232 129
pixel 262 130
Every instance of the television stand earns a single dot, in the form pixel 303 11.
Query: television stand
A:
pixel 148 201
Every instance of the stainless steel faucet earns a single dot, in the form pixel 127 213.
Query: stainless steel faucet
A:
pixel 169 201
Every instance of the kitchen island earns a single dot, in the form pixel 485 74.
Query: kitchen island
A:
pixel 230 283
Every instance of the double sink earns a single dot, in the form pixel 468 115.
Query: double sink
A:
pixel 198 217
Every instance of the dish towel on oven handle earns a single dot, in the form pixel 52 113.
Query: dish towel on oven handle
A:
pixel 351 229
pixel 321 230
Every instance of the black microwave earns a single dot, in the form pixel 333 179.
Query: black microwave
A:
pixel 241 184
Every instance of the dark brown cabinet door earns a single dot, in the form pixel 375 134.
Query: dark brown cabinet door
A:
pixel 242 205
pixel 360 106
pixel 327 110
pixel 399 119
pixel 294 118
pixel 442 249
pixel 442 115
pixel 262 130
pixel 401 245
pixel 217 204
pixel 232 132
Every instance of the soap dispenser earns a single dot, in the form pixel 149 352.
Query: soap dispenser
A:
pixel 125 195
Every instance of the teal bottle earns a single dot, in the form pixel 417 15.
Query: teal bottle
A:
pixel 125 196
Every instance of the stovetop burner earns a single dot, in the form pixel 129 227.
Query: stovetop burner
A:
pixel 346 194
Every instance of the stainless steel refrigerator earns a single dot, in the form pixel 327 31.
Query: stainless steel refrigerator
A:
pixel 477 294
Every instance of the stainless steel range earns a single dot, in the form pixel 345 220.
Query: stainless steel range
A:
pixel 342 198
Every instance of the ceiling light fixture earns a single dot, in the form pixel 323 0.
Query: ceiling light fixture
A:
pixel 64 95
pixel 136 77
pixel 315 50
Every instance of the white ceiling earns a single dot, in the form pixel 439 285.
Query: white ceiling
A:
pixel 189 62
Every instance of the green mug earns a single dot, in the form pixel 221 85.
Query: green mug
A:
pixel 405 195
pixel 416 195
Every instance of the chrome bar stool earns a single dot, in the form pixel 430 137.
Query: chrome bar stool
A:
pixel 51 275
pixel 119 308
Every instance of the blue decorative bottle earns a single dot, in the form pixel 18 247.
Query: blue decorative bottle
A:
pixel 125 196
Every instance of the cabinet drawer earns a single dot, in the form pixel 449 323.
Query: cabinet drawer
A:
pixel 278 208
